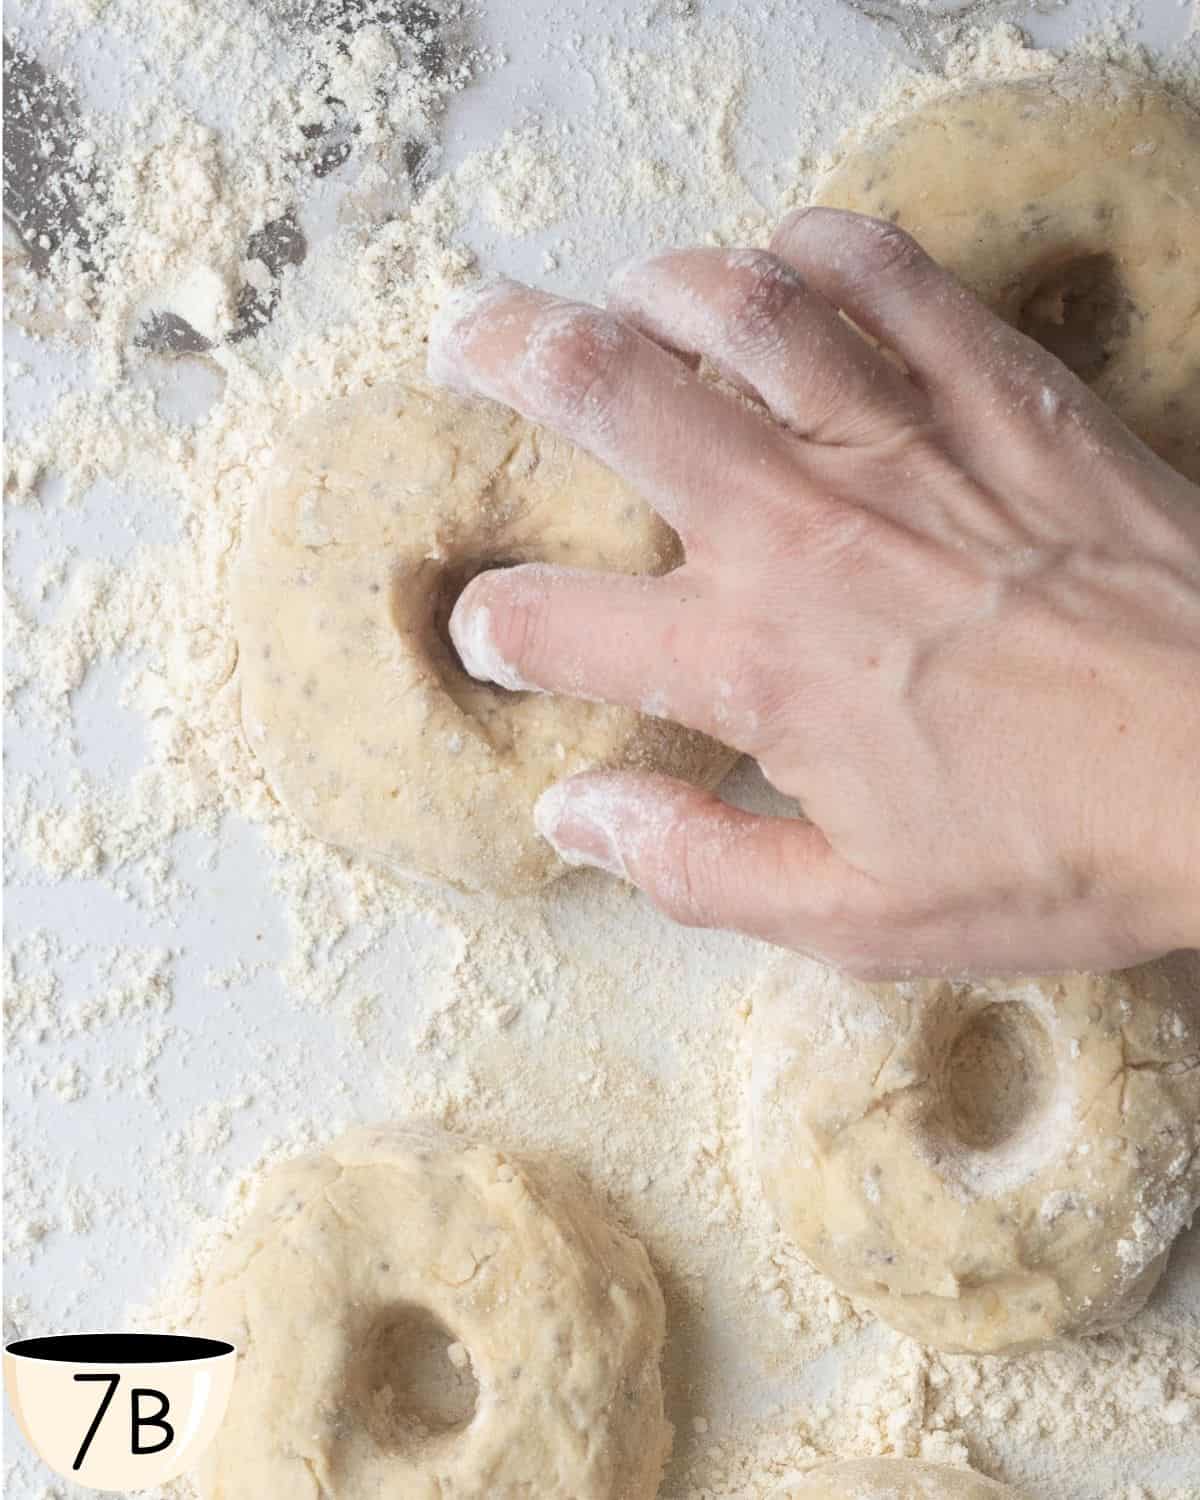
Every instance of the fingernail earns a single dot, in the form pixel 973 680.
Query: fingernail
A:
pixel 474 640
pixel 578 821
pixel 447 356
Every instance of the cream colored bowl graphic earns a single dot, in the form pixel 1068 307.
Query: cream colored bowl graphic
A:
pixel 119 1411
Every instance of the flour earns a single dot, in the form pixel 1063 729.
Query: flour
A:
pixel 268 217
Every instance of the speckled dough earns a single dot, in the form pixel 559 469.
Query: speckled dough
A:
pixel 987 1166
pixel 1071 205
pixel 378 512
pixel 423 1317
pixel 893 1479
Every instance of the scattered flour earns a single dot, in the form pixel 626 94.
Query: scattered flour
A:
pixel 266 214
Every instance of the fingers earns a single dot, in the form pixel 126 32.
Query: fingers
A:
pixel 879 276
pixel 764 328
pixel 602 637
pixel 981 374
pixel 696 455
pixel 707 864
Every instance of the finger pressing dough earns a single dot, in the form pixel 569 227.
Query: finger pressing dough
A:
pixel 377 513
pixel 987 1166
pixel 422 1316
pixel 893 1479
pixel 1071 205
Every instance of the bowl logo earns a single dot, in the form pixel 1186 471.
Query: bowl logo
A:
pixel 119 1411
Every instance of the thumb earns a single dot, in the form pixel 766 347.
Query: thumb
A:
pixel 707 864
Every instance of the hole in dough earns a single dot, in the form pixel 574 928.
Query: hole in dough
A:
pixel 1080 311
pixel 411 1381
pixel 999 1076
pixel 421 604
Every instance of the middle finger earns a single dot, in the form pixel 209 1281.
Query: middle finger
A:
pixel 704 460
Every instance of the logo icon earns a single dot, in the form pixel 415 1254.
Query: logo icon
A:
pixel 119 1411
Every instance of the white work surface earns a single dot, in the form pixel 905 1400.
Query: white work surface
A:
pixel 104 1242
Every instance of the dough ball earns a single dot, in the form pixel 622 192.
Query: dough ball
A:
pixel 988 1166
pixel 376 514
pixel 425 1317
pixel 1071 205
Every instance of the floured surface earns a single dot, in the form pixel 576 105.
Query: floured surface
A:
pixel 197 988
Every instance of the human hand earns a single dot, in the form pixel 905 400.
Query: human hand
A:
pixel 953 608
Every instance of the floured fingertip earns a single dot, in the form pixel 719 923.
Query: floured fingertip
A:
pixel 452 330
pixel 580 820
pixel 473 636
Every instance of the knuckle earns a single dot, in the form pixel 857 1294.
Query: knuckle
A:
pixel 689 894
pixel 758 289
pixel 874 246
pixel 843 540
pixel 574 363
pixel 884 249
pixel 748 681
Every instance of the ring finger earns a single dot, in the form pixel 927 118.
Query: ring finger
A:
pixel 760 324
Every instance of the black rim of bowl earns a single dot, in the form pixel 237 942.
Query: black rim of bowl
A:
pixel 119 1348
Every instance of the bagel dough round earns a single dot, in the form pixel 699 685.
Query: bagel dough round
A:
pixel 987 1166
pixel 893 1479
pixel 1071 205
pixel 376 515
pixel 422 1316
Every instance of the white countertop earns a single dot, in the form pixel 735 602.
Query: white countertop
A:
pixel 104 1233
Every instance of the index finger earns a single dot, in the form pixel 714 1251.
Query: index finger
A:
pixel 696 454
